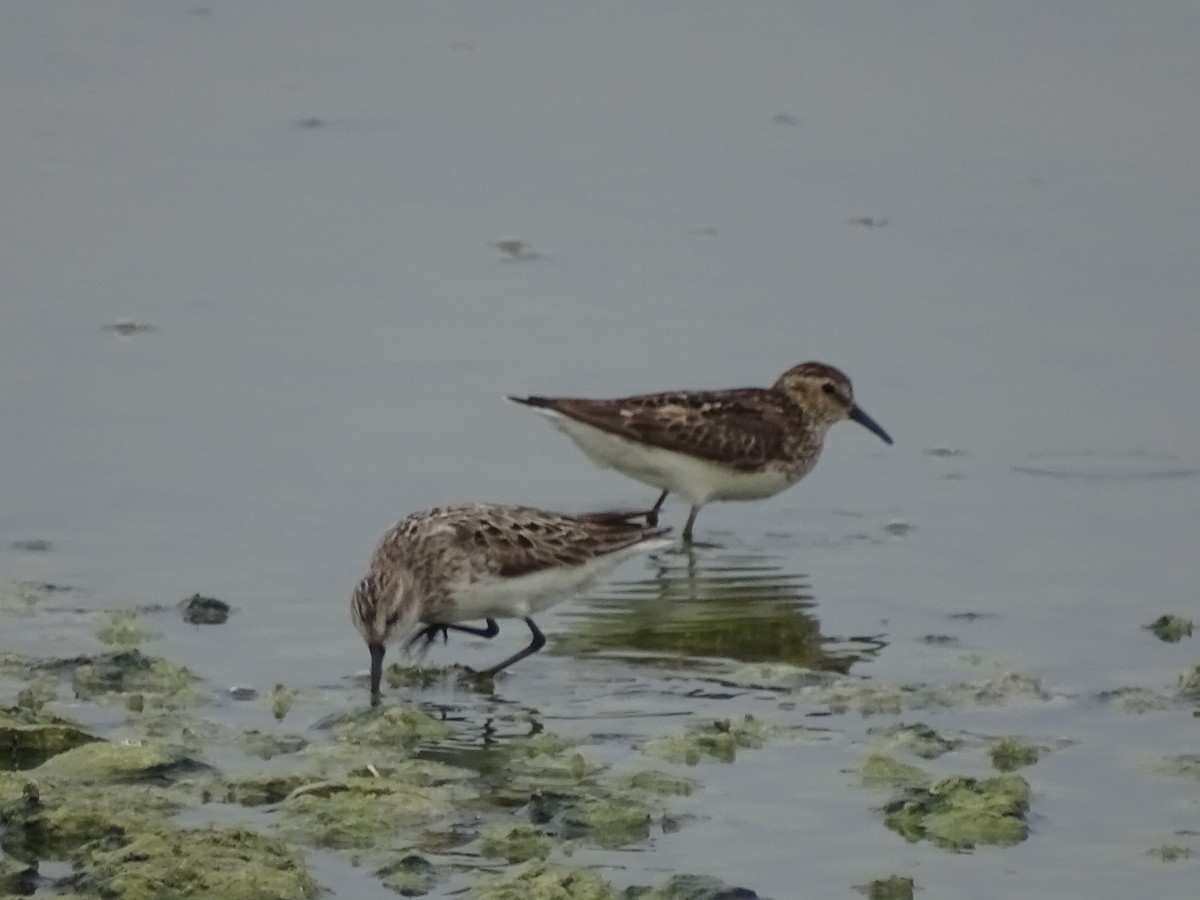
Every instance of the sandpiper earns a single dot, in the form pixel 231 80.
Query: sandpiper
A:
pixel 456 564
pixel 740 444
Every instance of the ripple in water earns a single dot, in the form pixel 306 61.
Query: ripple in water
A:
pixel 1100 467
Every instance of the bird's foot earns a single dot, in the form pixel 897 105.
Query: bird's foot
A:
pixel 429 633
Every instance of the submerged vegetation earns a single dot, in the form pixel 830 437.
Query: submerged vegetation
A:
pixel 1009 754
pixel 1170 628
pixel 960 813
pixel 719 740
pixel 894 887
pixel 433 798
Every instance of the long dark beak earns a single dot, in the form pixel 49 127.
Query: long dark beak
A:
pixel 377 651
pixel 868 423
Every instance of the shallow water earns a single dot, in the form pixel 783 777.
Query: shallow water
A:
pixel 301 200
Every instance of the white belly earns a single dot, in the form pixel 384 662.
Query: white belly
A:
pixel 527 595
pixel 696 480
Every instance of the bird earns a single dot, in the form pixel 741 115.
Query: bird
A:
pixel 738 444
pixel 436 569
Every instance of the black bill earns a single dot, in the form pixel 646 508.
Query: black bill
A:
pixel 868 423
pixel 377 651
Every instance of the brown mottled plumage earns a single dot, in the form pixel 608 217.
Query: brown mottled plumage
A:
pixel 482 562
pixel 740 444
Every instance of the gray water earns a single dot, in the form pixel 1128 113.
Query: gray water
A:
pixel 986 214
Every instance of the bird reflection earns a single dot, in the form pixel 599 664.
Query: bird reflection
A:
pixel 732 605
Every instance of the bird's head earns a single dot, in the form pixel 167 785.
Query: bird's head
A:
pixel 382 615
pixel 826 396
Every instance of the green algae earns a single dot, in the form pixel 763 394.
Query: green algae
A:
pixel 869 698
pixel 1170 852
pixel 120 629
pixel 24 596
pixel 360 811
pixel 61 820
pixel 842 694
pixel 918 739
pixel 28 746
pixel 198 610
pixel 1134 700
pixel 1189 684
pixel 1170 628
pixel 93 791
pixel 128 672
pixel 881 769
pixel 266 745
pixel 13 785
pixel 43 690
pixel 779 677
pixel 960 813
pixel 263 790
pixel 281 700
pixel 17 878
pixel 398 676
pixel 29 737
pixel 410 876
pixel 1186 765
pixel 719 740
pixel 1009 754
pixel 609 822
pixel 542 753
pixel 690 887
pixel 661 784
pixel 103 761
pixel 431 840
pixel 514 843
pixel 174 726
pixel 393 727
pixel 590 813
pixel 561 794
pixel 894 887
pixel 524 767
pixel 537 880
pixel 230 863
pixel 567 765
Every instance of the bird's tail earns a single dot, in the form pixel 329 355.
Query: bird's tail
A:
pixel 634 520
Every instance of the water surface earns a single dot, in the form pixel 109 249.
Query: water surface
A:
pixel 301 200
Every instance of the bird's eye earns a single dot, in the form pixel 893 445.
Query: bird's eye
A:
pixel 393 618
pixel 828 388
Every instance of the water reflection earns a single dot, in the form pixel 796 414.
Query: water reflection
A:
pixel 483 746
pixel 728 605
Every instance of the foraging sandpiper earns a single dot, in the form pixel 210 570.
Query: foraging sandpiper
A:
pixel 445 566
pixel 740 444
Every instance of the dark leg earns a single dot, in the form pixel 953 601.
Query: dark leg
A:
pixel 652 516
pixel 687 529
pixel 539 641
pixel 430 632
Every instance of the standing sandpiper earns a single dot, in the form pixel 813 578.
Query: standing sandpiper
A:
pixel 740 444
pixel 456 564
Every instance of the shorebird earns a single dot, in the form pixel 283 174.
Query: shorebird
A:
pixel 739 444
pixel 439 568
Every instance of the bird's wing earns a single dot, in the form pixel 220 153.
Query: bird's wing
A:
pixel 741 428
pixel 520 540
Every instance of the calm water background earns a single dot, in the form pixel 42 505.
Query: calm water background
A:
pixel 300 198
